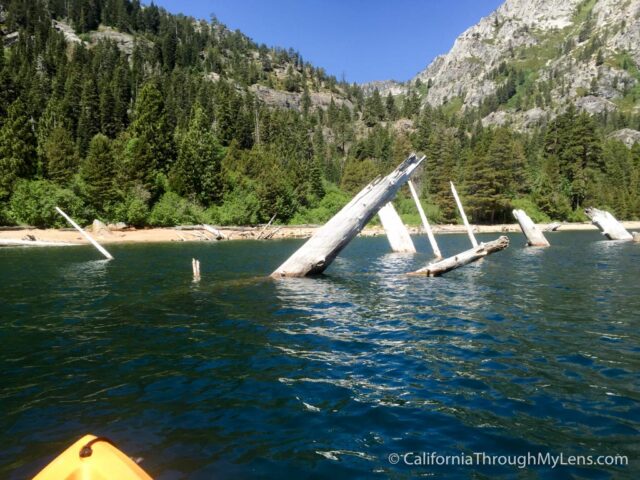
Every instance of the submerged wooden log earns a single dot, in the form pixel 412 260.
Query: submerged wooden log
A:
pixel 396 231
pixel 608 225
pixel 267 226
pixel 472 237
pixel 436 269
pixel 99 247
pixel 425 222
pixel 535 238
pixel 328 241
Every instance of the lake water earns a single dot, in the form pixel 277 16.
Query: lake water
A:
pixel 528 350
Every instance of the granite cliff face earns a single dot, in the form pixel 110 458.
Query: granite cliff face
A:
pixel 537 55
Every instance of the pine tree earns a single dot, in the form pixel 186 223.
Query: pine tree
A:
pixel 373 109
pixel 97 172
pixel 61 160
pixel 89 121
pixel 391 109
pixel 17 147
pixel 152 129
pixel 197 171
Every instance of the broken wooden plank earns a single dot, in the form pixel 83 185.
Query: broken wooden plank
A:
pixel 99 247
pixel 535 238
pixel 329 240
pixel 472 237
pixel 608 225
pixel 397 233
pixel 436 269
pixel 425 222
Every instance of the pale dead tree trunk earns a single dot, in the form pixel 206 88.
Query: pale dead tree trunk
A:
pixel 553 227
pixel 397 233
pixel 328 241
pixel 472 237
pixel 267 226
pixel 85 235
pixel 215 232
pixel 608 225
pixel 436 269
pixel 425 222
pixel 33 243
pixel 535 238
pixel 195 265
pixel 636 237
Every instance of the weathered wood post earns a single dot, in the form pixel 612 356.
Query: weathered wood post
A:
pixel 425 222
pixel 436 269
pixel 195 265
pixel 608 225
pixel 636 237
pixel 85 235
pixel 472 237
pixel 397 233
pixel 535 238
pixel 328 241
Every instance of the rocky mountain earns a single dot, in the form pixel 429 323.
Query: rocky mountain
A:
pixel 529 58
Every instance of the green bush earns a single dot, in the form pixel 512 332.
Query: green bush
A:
pixel 173 210
pixel 134 209
pixel 408 211
pixel 531 209
pixel 240 207
pixel 330 204
pixel 33 203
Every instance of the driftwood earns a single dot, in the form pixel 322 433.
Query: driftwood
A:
pixel 425 222
pixel 608 225
pixel 328 241
pixel 535 238
pixel 270 234
pixel 267 226
pixel 99 247
pixel 215 232
pixel 636 237
pixel 436 269
pixel 472 237
pixel 397 234
pixel 33 243
pixel 553 227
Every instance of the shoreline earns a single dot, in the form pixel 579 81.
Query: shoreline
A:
pixel 195 234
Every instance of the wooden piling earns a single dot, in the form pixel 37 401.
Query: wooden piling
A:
pixel 535 238
pixel 608 225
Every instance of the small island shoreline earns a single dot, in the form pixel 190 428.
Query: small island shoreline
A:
pixel 193 234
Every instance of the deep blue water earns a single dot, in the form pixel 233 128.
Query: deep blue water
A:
pixel 239 376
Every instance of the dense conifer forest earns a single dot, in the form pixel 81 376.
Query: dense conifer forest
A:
pixel 152 119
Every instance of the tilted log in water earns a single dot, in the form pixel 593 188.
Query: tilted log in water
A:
pixel 535 238
pixel 425 222
pixel 397 233
pixel 33 243
pixel 472 237
pixel 99 247
pixel 636 237
pixel 436 269
pixel 328 241
pixel 608 225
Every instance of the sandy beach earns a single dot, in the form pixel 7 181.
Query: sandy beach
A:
pixel 196 234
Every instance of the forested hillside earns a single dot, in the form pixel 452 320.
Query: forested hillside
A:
pixel 127 113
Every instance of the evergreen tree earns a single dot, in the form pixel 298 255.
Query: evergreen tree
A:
pixel 17 147
pixel 61 160
pixel 197 171
pixel 391 109
pixel 89 121
pixel 97 171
